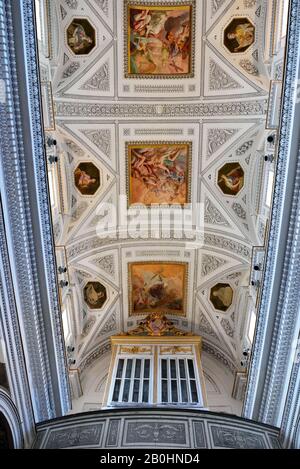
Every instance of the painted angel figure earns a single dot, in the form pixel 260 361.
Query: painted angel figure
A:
pixel 79 40
pixel 234 180
pixel 224 294
pixel 92 295
pixel 141 21
pixel 83 180
pixel 243 34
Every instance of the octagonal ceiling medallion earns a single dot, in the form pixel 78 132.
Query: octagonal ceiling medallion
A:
pixel 231 178
pixel 87 178
pixel 221 296
pixel 95 295
pixel 239 35
pixel 81 36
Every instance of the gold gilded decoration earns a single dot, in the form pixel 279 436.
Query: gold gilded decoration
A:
pixel 156 325
pixel 135 350
pixel 174 350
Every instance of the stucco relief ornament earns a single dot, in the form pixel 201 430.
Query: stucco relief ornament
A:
pixel 103 4
pixel 72 4
pixel 156 324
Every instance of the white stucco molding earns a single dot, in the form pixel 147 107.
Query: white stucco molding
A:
pixel 26 212
pixel 10 412
pixel 278 323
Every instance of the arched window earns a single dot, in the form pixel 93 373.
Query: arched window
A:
pixel 11 434
pixel 6 438
pixel 3 377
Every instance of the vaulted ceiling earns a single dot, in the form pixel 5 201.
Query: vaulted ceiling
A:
pixel 220 110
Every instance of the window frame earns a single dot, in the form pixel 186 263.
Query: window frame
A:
pixel 132 378
pixel 178 378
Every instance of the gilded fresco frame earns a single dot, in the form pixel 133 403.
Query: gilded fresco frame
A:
pixel 132 313
pixel 145 144
pixel 162 5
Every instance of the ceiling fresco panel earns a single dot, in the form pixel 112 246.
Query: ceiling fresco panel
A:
pixel 157 287
pixel 159 52
pixel 177 181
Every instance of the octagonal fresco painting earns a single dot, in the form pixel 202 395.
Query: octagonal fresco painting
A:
pixel 239 35
pixel 81 36
pixel 221 296
pixel 87 178
pixel 94 295
pixel 231 178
